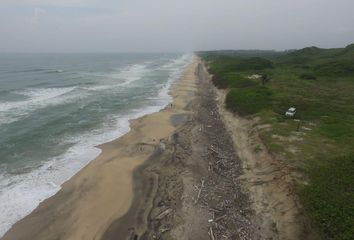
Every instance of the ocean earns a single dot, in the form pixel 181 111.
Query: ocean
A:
pixel 55 108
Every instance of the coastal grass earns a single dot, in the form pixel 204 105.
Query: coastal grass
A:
pixel 320 84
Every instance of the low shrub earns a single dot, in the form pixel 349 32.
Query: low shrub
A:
pixel 247 101
pixel 336 68
pixel 224 64
pixel 308 76
pixel 219 81
pixel 232 80
pixel 237 81
pixel 255 63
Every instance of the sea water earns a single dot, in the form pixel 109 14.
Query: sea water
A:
pixel 55 108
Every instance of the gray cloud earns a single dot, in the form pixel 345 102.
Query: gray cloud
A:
pixel 174 25
pixel 49 2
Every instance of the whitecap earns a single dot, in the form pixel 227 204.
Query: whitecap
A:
pixel 35 98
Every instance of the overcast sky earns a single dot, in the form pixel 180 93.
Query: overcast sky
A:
pixel 173 25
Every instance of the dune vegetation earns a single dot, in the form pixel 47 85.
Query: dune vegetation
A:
pixel 319 142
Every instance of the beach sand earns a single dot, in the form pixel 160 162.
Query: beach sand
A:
pixel 101 193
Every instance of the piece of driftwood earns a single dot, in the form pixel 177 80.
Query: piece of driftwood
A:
pixel 163 214
pixel 211 233
pixel 219 218
pixel 200 190
pixel 164 230
pixel 212 148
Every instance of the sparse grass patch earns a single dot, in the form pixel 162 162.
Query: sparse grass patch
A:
pixel 257 149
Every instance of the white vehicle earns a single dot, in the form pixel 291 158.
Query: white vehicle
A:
pixel 291 112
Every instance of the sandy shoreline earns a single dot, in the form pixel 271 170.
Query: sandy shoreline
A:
pixel 101 193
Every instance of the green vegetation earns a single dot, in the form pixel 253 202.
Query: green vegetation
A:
pixel 248 100
pixel 233 80
pixel 330 197
pixel 336 68
pixel 320 84
pixel 224 64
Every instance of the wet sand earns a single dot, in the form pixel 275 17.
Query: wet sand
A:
pixel 91 202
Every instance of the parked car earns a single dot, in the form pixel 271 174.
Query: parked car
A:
pixel 291 112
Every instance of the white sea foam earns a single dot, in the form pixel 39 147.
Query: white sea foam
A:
pixel 121 77
pixel 178 66
pixel 35 99
pixel 34 96
pixel 130 74
pixel 20 194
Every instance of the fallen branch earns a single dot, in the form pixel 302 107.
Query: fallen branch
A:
pixel 211 233
pixel 164 230
pixel 200 191
pixel 163 214
pixel 219 218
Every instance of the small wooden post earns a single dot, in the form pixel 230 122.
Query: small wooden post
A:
pixel 298 125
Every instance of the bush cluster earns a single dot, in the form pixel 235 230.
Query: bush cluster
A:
pixel 248 100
